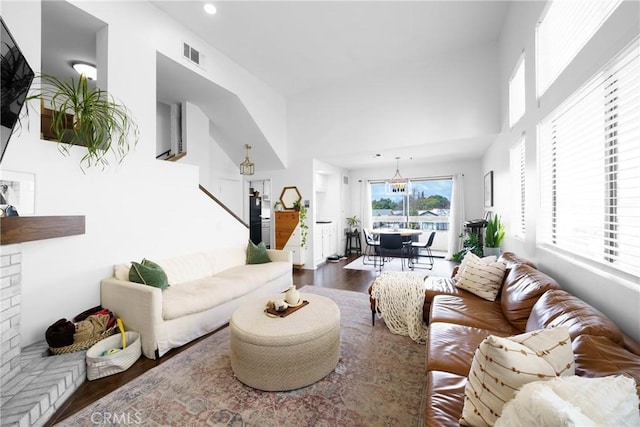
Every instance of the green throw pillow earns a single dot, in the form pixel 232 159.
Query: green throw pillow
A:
pixel 148 273
pixel 257 254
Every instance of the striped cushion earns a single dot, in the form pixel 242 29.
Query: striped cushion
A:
pixel 501 366
pixel 482 278
pixel 468 258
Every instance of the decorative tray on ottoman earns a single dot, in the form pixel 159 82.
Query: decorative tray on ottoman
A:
pixel 272 312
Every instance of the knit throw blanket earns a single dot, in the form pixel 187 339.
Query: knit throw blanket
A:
pixel 399 300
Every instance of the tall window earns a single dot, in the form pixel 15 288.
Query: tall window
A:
pixel 517 167
pixel 589 174
pixel 516 93
pixel 425 206
pixel 564 29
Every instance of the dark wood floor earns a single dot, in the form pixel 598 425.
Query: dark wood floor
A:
pixel 330 275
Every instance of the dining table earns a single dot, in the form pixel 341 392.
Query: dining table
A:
pixel 407 235
pixel 405 232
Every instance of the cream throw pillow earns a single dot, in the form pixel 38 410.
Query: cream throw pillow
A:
pixel 482 277
pixel 121 271
pixel 501 366
pixel 471 257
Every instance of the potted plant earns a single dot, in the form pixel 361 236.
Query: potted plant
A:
pixel 89 117
pixel 353 222
pixel 470 244
pixel 304 228
pixel 494 236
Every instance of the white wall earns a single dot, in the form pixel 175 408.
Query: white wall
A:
pixel 144 207
pixel 617 298
pixel 196 141
pixel 449 97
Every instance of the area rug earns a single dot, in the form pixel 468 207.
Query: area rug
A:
pixel 440 268
pixel 379 380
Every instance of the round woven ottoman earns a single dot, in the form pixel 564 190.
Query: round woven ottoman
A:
pixel 285 353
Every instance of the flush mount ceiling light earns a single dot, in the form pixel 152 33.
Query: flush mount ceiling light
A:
pixel 397 184
pixel 247 167
pixel 210 8
pixel 87 69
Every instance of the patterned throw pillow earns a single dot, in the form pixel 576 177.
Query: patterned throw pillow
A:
pixel 257 254
pixel 470 256
pixel 148 273
pixel 501 366
pixel 482 278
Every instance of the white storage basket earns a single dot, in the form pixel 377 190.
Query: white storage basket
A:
pixel 99 366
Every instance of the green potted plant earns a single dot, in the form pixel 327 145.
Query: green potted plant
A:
pixel 304 227
pixel 470 244
pixel 353 222
pixel 494 236
pixel 87 116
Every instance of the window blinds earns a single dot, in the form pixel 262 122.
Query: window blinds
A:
pixel 589 174
pixel 563 31
pixel 517 171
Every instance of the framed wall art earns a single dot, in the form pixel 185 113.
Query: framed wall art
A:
pixel 18 189
pixel 488 190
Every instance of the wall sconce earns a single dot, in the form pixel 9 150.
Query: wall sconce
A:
pixel 87 69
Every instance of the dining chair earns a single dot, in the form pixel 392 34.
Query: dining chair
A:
pixel 371 249
pixel 422 250
pixel 392 245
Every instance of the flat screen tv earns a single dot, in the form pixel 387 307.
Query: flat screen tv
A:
pixel 17 76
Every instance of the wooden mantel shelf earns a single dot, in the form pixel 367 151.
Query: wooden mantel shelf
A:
pixel 18 229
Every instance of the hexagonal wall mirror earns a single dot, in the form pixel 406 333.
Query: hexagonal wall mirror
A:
pixel 289 196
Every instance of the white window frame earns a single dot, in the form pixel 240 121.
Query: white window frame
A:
pixel 517 96
pixel 563 30
pixel 517 166
pixel 588 174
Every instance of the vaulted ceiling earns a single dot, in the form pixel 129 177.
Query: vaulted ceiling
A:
pixel 301 46
pixel 297 45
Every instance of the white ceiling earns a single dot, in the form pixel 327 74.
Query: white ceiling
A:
pixel 297 45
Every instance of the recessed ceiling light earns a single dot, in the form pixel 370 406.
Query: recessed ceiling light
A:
pixel 210 8
pixel 87 69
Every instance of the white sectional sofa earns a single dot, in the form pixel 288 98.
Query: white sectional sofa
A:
pixel 205 288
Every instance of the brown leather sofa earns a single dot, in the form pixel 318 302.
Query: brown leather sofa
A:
pixel 529 300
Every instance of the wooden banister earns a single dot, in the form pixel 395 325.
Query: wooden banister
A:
pixel 215 199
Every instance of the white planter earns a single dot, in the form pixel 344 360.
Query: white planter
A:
pixel 492 251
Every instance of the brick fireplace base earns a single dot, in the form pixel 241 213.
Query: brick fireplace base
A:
pixel 34 385
pixel 43 384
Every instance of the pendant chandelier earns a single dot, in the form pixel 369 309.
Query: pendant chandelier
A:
pixel 397 184
pixel 247 167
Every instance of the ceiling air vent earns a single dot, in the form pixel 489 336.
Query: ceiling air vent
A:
pixel 190 53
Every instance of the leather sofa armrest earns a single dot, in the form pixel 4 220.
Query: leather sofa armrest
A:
pixel 630 344
pixel 139 306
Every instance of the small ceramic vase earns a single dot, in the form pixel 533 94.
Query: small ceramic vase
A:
pixel 292 296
